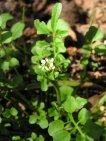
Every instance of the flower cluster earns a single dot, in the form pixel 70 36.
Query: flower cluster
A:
pixel 47 64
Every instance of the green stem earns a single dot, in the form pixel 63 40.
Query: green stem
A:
pixel 76 126
pixel 23 14
pixel 57 93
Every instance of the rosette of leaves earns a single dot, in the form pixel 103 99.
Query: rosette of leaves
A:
pixel 55 29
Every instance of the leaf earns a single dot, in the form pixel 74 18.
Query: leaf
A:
pixel 33 135
pixel 80 102
pixel 62 25
pixel 43 123
pixel 6 113
pixel 41 48
pixel 83 115
pixel 2 52
pixel 16 138
pixel 6 37
pixel 61 135
pixel 94 34
pixel 72 83
pixel 65 91
pixel 100 49
pixel 40 138
pixel 87 49
pixel 70 104
pixel 13 111
pixel 55 15
pixel 33 119
pixel 44 85
pixel 35 59
pixel 17 30
pixel 85 62
pixel 5 66
pixel 60 34
pixel 93 130
pixel 13 62
pixel 59 47
pixel 4 18
pixel 41 27
pixel 55 126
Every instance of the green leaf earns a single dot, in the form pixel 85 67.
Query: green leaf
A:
pixel 6 37
pixel 85 62
pixel 2 52
pixel 44 85
pixel 55 15
pixel 43 123
pixel 80 102
pixel 33 136
pixel 41 27
pixel 16 138
pixel 6 113
pixel 17 30
pixel 13 62
pixel 89 138
pixel 87 49
pixel 51 76
pixel 5 66
pixel 35 59
pixel 59 47
pixel 40 138
pixel 41 48
pixel 100 49
pixel 93 64
pixel 94 34
pixel 62 25
pixel 70 104
pixel 61 135
pixel 72 83
pixel 83 115
pixel 13 111
pixel 65 91
pixel 93 130
pixel 4 18
pixel 38 71
pixel 33 119
pixel 55 126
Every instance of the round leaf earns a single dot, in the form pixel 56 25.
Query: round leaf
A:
pixel 83 115
pixel 55 126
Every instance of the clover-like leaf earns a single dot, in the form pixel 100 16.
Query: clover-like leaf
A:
pixel 80 102
pixel 4 18
pixel 61 135
pixel 43 123
pixel 65 91
pixel 70 104
pixel 33 119
pixel 13 111
pixel 55 126
pixel 83 115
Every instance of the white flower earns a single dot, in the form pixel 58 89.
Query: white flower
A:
pixel 46 59
pixel 43 61
pixel 52 59
pixel 51 65
pixel 47 64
